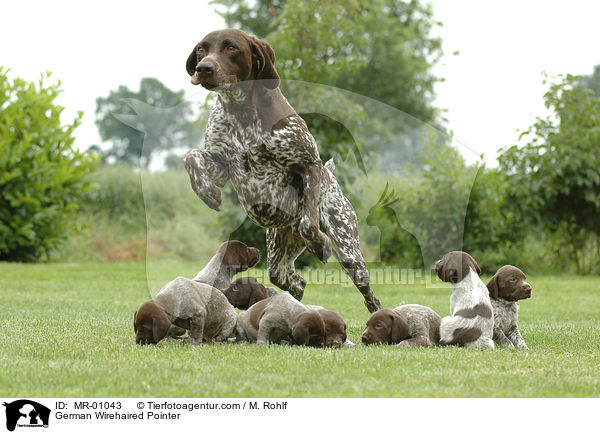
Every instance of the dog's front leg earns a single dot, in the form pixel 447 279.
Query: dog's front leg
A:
pixel 197 328
pixel 501 339
pixel 516 339
pixel 316 241
pixel 207 172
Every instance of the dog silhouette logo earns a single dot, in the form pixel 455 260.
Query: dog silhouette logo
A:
pixel 26 413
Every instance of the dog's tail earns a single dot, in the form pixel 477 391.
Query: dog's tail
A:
pixel 330 165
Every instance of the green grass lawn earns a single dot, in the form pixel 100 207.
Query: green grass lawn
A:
pixel 66 331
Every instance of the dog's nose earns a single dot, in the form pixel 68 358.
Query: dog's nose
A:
pixel 364 338
pixel 205 67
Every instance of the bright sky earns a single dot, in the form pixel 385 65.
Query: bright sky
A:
pixel 492 88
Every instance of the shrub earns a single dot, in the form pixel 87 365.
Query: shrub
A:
pixel 41 174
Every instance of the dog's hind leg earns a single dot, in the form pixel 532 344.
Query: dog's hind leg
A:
pixel 341 225
pixel 283 248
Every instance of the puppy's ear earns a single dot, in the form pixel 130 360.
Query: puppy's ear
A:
pixel 475 265
pixel 134 318
pixel 257 293
pixel 300 333
pixel 160 327
pixel 493 286
pixel 264 58
pixel 399 329
pixel 192 61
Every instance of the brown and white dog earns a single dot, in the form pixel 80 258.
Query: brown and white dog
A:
pixel 279 319
pixel 410 325
pixel 506 287
pixel 256 140
pixel 194 306
pixel 245 291
pixel 471 323
pixel 231 258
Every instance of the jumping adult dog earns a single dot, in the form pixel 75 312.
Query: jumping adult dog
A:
pixel 256 140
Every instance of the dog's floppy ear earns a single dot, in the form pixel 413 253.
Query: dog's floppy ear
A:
pixel 492 286
pixel 264 58
pixel 160 327
pixel 400 330
pixel 474 263
pixel 192 61
pixel 257 293
pixel 134 318
pixel 300 333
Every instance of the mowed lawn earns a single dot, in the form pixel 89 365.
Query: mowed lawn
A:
pixel 66 331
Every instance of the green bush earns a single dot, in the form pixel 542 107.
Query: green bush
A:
pixel 41 174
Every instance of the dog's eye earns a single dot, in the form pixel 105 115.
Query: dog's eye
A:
pixel 231 48
pixel 378 326
pixel 235 289
pixel 512 279
pixel 200 50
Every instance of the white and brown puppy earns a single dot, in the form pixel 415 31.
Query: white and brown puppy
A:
pixel 508 285
pixel 281 318
pixel 471 323
pixel 245 291
pixel 407 325
pixel 194 306
pixel 231 258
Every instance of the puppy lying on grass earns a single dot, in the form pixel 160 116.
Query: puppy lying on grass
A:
pixel 283 319
pixel 471 323
pixel 407 325
pixel 189 305
pixel 508 285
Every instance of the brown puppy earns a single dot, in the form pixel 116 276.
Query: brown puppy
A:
pixel 508 285
pixel 273 320
pixel 385 326
pixel 408 325
pixel 309 330
pixel 245 291
pixel 199 308
pixel 335 327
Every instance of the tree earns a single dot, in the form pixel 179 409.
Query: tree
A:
pixel 554 178
pixel 592 81
pixel 141 123
pixel 42 175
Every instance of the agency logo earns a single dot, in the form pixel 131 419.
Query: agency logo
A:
pixel 26 413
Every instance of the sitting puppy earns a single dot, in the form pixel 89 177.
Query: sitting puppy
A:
pixel 197 307
pixel 506 287
pixel 472 322
pixel 280 318
pixel 245 291
pixel 410 325
pixel 231 258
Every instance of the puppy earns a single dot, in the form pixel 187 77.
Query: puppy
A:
pixel 508 285
pixel 231 258
pixel 472 322
pixel 197 307
pixel 410 325
pixel 335 327
pixel 245 291
pixel 281 318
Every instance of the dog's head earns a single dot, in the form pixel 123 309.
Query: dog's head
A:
pixel 150 323
pixel 509 283
pixel 335 328
pixel 385 327
pixel 454 266
pixel 309 330
pixel 244 292
pixel 237 256
pixel 226 57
